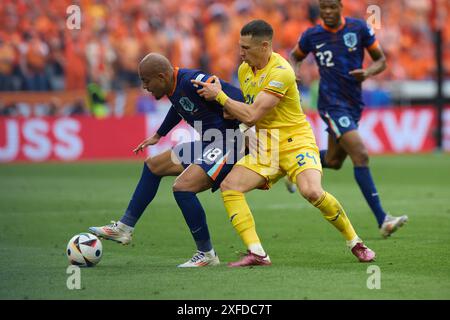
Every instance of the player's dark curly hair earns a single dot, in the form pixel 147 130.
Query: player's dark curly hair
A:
pixel 257 28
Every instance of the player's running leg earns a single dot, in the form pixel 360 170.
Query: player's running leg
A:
pixel 352 143
pixel 193 180
pixel 334 156
pixel 239 181
pixel 154 169
pixel 290 186
pixel 310 187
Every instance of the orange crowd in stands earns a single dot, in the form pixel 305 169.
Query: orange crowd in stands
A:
pixel 39 52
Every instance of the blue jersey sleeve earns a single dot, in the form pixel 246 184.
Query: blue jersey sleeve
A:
pixel 368 35
pixel 170 121
pixel 231 91
pixel 305 43
pixel 192 88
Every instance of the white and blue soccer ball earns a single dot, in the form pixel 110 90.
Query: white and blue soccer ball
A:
pixel 84 250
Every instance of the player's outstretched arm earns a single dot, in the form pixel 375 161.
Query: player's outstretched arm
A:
pixel 227 115
pixel 147 142
pixel 170 121
pixel 296 57
pixel 248 114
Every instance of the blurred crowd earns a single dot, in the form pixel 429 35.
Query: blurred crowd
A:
pixel 38 52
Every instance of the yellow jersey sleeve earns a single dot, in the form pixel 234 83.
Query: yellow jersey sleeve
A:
pixel 279 81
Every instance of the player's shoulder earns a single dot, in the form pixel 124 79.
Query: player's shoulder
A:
pixel 355 23
pixel 313 30
pixel 185 76
pixel 281 67
pixel 189 74
pixel 281 64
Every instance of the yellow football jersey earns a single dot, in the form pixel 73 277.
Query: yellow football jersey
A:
pixel 288 146
pixel 277 78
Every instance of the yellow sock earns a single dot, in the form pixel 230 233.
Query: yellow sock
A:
pixel 240 216
pixel 335 214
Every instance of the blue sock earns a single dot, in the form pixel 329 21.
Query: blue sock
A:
pixel 145 192
pixel 195 218
pixel 367 186
pixel 322 158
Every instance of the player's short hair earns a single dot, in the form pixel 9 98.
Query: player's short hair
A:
pixel 258 28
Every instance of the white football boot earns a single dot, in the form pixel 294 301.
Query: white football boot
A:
pixel 391 224
pixel 201 259
pixel 114 231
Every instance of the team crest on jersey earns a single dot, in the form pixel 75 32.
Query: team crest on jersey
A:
pixel 344 121
pixel 350 39
pixel 187 104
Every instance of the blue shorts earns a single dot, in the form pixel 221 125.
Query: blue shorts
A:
pixel 340 120
pixel 215 158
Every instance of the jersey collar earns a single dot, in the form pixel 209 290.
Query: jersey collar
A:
pixel 343 22
pixel 175 75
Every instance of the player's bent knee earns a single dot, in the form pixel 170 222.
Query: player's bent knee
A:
pixel 334 164
pixel 181 186
pixel 311 194
pixel 154 167
pixel 361 159
pixel 184 185
pixel 229 184
pixel 224 186
pixel 151 164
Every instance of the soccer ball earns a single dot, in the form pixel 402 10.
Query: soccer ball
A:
pixel 84 250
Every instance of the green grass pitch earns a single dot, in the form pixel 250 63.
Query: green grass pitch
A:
pixel 43 205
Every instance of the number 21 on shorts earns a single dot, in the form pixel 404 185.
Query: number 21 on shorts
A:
pixel 303 157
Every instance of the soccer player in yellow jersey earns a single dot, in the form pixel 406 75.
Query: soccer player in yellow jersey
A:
pixel 288 146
